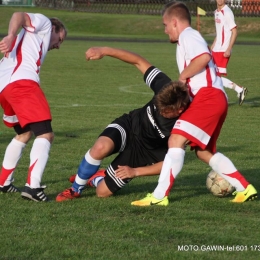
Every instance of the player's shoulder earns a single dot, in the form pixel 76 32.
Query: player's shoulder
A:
pixel 187 34
pixel 227 10
pixel 151 74
pixel 155 79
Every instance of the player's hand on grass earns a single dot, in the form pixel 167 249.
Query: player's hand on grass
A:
pixel 124 172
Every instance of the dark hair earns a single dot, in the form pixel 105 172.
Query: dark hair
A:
pixel 58 25
pixel 174 96
pixel 177 9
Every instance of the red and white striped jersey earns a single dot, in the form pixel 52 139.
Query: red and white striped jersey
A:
pixel 190 46
pixel 224 22
pixel 28 52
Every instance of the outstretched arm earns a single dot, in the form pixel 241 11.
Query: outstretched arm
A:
pixel 96 53
pixel 18 20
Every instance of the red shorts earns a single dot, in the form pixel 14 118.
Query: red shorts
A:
pixel 221 62
pixel 202 121
pixel 24 102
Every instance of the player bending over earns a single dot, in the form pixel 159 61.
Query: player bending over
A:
pixel 24 103
pixel 140 137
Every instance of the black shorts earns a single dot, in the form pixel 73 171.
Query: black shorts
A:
pixel 131 151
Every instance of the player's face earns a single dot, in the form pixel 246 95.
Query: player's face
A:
pixel 56 39
pixel 221 3
pixel 170 28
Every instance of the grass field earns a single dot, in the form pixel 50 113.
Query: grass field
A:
pixel 84 97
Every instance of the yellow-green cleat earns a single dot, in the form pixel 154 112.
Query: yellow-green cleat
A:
pixel 150 200
pixel 249 193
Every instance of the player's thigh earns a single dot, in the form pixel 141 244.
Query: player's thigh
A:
pixel 9 117
pixel 28 101
pixel 103 147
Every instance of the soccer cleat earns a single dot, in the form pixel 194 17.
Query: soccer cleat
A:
pixel 249 193
pixel 242 95
pixel 36 194
pixel 150 200
pixel 8 189
pixel 67 194
pixel 99 173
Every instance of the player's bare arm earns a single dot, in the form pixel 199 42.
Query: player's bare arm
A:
pixel 197 65
pixel 96 53
pixel 127 172
pixel 231 43
pixel 18 20
pixel 213 44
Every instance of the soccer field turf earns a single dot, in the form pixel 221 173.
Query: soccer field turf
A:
pixel 84 98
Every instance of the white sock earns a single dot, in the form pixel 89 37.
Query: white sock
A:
pixel 12 156
pixel 224 167
pixel 231 85
pixel 172 165
pixel 38 159
pixel 97 180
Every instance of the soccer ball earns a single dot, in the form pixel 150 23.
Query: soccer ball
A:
pixel 218 186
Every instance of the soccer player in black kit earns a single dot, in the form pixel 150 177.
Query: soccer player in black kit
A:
pixel 140 137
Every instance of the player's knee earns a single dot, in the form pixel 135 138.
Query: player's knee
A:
pixel 100 150
pixel 24 137
pixel 176 140
pixel 103 194
pixel 102 191
pixel 48 136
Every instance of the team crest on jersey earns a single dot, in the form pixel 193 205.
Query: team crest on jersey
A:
pixel 177 124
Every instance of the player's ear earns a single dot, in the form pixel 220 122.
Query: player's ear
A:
pixel 180 110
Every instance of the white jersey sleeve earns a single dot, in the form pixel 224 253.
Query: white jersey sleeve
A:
pixel 28 52
pixel 224 23
pixel 190 46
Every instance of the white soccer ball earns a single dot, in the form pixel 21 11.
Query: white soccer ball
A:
pixel 217 185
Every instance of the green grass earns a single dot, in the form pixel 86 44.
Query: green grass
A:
pixel 83 24
pixel 84 98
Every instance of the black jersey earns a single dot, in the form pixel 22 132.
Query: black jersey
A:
pixel 148 126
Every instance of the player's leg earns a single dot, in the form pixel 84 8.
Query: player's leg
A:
pixel 12 156
pixel 111 140
pixel 39 156
pixel 110 184
pixel 32 109
pixel 223 165
pixel 172 165
pixel 222 63
pixel 89 165
pixel 226 169
pixel 15 148
pixel 241 91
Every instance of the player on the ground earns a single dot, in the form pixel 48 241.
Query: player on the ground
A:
pixel 226 34
pixel 140 137
pixel 24 103
pixel 200 124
